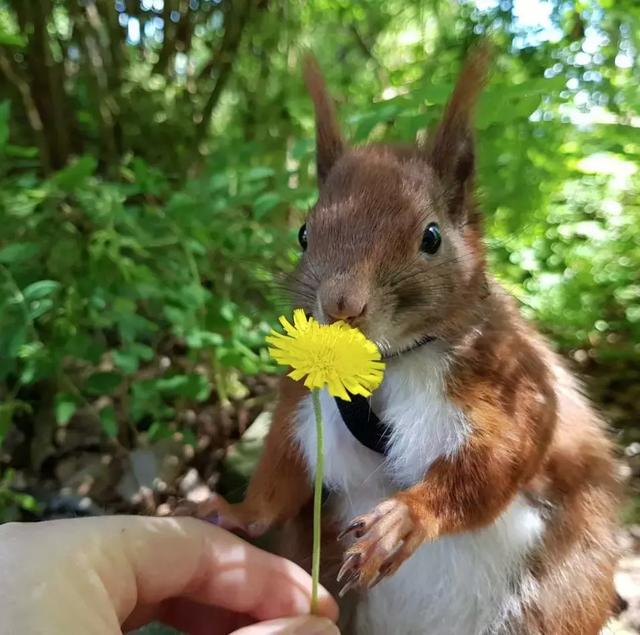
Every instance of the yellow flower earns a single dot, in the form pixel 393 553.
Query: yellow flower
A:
pixel 337 356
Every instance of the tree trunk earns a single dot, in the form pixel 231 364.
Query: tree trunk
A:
pixel 46 80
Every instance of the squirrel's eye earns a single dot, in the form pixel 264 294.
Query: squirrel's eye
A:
pixel 302 237
pixel 431 239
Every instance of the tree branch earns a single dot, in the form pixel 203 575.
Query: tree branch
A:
pixel 92 36
pixel 33 116
pixel 368 51
pixel 168 43
pixel 46 80
pixel 235 22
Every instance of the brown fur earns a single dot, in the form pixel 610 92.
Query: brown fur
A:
pixel 532 431
pixel 328 138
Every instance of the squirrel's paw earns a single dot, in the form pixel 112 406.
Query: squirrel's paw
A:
pixel 218 511
pixel 385 538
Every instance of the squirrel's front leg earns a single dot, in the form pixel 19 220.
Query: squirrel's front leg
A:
pixel 458 493
pixel 280 485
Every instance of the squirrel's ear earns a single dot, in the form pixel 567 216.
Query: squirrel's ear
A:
pixel 329 144
pixel 450 150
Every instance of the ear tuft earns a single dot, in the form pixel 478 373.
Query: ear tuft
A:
pixel 329 143
pixel 451 149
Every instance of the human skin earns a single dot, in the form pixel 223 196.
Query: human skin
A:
pixel 99 576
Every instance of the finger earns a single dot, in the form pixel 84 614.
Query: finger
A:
pixel 223 570
pixel 292 626
pixel 145 561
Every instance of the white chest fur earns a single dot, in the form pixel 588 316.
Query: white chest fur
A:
pixel 457 585
pixel 424 426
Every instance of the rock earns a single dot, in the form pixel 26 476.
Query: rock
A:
pixel 199 494
pixel 71 506
pixel 189 481
pixel 242 456
pixel 83 431
pixel 164 509
pixel 89 474
pixel 151 469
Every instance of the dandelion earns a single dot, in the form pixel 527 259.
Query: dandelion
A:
pixel 339 358
pixel 336 356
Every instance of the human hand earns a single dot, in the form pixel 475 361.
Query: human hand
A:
pixel 112 574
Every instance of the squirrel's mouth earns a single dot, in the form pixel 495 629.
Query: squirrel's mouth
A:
pixel 387 355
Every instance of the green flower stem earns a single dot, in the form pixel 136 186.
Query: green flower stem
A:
pixel 317 503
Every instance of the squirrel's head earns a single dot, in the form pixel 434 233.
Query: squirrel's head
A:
pixel 393 244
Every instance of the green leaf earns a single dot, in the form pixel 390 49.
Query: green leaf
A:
pixel 31 349
pixel 147 400
pixel 38 308
pixel 109 422
pixel 228 311
pixel 143 351
pixel 18 252
pixel 190 386
pixel 159 430
pixel 40 289
pixel 70 178
pixel 258 173
pixel 103 383
pixel 27 502
pixel 302 148
pixel 21 152
pixel 200 339
pixel 126 360
pixel 12 341
pixel 12 39
pixel 24 203
pixel 264 204
pixel 64 407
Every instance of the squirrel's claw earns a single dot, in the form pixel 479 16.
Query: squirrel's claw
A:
pixel 350 563
pixel 385 538
pixel 356 526
pixel 219 512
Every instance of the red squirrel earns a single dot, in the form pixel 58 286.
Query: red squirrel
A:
pixel 492 508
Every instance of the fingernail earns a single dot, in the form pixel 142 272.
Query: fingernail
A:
pixel 214 519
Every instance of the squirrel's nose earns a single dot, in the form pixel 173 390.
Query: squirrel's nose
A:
pixel 344 307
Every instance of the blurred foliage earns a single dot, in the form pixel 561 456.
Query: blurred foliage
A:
pixel 156 159
pixel 13 503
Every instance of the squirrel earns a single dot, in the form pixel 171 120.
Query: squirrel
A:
pixel 490 506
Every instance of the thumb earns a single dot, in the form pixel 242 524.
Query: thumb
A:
pixel 305 625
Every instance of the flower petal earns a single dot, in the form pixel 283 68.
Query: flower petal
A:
pixel 336 356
